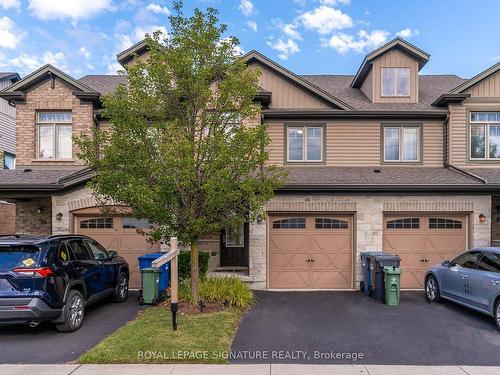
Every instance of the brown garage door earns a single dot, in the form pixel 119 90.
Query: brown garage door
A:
pixel 120 234
pixel 422 241
pixel 308 251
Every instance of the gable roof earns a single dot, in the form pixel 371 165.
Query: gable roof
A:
pixel 126 55
pixel 17 90
pixel 476 79
pixel 14 77
pixel 430 88
pixel 421 56
pixel 298 80
pixel 104 84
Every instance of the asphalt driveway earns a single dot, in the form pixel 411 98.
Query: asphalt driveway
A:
pixel 337 327
pixel 43 344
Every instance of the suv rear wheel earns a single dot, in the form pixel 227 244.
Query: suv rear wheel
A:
pixel 73 312
pixel 121 291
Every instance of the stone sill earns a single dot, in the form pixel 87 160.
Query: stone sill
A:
pixel 53 160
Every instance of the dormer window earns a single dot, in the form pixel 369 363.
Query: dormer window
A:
pixel 395 82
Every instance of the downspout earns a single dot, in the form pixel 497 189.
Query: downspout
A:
pixel 446 147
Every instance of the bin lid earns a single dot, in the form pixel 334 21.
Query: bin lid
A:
pixel 151 256
pixel 392 270
pixel 150 270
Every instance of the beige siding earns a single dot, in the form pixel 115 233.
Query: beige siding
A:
pixel 367 86
pixel 488 87
pixel 395 59
pixel 286 94
pixel 358 143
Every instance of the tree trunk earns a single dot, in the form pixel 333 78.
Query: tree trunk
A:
pixel 195 271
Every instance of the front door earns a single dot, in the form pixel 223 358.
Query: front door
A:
pixel 234 246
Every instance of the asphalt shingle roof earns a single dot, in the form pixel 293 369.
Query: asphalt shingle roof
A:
pixel 103 84
pixel 405 176
pixel 40 176
pixel 430 88
pixel 491 175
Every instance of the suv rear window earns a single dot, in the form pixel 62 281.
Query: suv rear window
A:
pixel 18 256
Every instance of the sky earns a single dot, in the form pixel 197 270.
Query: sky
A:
pixel 306 36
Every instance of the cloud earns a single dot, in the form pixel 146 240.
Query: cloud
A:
pixel 246 7
pixel 344 43
pixel 407 33
pixel 84 52
pixel 114 67
pixel 60 9
pixel 9 35
pixel 325 19
pixel 57 58
pixel 286 49
pixel 158 9
pixel 125 41
pixel 14 4
pixel 335 2
pixel 290 30
pixel 252 25
pixel 27 63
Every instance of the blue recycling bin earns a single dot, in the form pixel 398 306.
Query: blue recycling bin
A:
pixel 146 260
pixel 366 258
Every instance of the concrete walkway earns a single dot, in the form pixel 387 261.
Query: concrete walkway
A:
pixel 279 369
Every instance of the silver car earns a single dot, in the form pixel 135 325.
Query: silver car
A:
pixel 471 279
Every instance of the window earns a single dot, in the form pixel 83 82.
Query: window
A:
pixel 292 223
pixel 489 262
pixel 466 260
pixel 9 160
pixel 97 250
pixel 134 223
pixel 97 223
pixel 406 223
pixel 395 82
pixel 329 223
pixel 62 252
pixel 401 143
pixel 439 223
pixel 485 135
pixel 305 143
pixel 54 135
pixel 79 250
pixel 235 237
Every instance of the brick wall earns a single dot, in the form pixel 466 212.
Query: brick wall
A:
pixel 34 216
pixel 44 98
pixel 7 218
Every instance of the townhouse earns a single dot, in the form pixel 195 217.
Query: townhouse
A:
pixel 385 159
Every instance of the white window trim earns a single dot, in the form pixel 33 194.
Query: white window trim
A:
pixel 401 143
pixel 304 144
pixel 394 90
pixel 55 136
pixel 487 125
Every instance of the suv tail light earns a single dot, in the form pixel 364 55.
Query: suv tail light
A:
pixel 41 272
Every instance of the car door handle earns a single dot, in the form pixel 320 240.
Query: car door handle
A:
pixel 495 282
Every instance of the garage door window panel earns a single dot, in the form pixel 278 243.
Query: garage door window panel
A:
pixel 406 223
pixel 134 223
pixel 330 223
pixel 442 223
pixel 292 223
pixel 97 223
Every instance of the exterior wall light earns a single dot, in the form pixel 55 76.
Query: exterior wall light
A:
pixel 59 216
pixel 482 218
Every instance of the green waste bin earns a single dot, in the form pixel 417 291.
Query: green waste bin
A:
pixel 150 280
pixel 392 285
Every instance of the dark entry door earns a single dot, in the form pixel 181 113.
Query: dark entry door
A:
pixel 234 246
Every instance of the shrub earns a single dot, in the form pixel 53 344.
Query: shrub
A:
pixel 224 290
pixel 185 264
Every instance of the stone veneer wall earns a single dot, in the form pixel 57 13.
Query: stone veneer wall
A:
pixel 33 216
pixel 369 212
pixel 7 218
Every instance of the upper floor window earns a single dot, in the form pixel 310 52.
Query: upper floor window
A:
pixel 9 160
pixel 485 135
pixel 54 135
pixel 305 143
pixel 401 143
pixel 395 82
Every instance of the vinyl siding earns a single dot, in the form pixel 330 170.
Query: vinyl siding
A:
pixel 358 143
pixel 367 86
pixel 488 87
pixel 286 94
pixel 395 59
pixel 7 123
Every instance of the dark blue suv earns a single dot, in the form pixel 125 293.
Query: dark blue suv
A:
pixel 53 278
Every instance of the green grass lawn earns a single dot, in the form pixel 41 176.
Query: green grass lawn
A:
pixel 150 339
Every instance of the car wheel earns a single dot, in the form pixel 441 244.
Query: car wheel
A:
pixel 497 314
pixel 121 291
pixel 432 289
pixel 73 312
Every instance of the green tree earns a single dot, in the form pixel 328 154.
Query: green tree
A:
pixel 180 152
